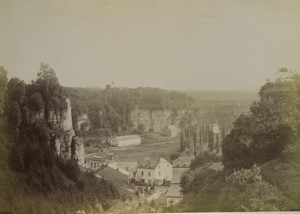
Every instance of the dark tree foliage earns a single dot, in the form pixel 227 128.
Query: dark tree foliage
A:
pixel 3 82
pixel 271 125
pixel 32 153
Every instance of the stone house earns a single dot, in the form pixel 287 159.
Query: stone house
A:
pixel 184 160
pixel 96 160
pixel 159 172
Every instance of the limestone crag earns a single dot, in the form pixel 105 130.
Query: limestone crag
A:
pixel 70 146
pixel 155 120
pixel 66 144
pixel 83 123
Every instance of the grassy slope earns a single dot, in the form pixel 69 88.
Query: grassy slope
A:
pixel 284 172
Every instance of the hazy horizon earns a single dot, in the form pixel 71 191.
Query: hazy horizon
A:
pixel 178 45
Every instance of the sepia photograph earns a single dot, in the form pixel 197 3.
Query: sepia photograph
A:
pixel 149 106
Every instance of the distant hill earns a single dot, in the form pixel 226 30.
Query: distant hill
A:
pixel 210 97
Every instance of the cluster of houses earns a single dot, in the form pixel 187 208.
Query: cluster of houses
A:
pixel 143 173
pixel 159 173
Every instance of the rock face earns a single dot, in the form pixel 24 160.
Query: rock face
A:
pixel 83 123
pixel 154 121
pixel 66 144
pixel 69 146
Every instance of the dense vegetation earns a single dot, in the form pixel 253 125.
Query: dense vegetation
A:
pixel 109 109
pixel 260 158
pixel 36 179
pixel 270 127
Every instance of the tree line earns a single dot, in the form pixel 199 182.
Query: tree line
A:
pixel 109 109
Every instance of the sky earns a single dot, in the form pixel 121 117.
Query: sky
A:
pixel 209 45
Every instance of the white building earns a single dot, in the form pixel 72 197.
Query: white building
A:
pixel 96 160
pixel 126 140
pixel 158 172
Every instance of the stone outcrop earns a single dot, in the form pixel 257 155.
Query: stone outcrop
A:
pixel 63 139
pixel 155 120
pixel 83 123
pixel 69 146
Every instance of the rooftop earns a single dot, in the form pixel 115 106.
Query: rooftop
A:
pixel 129 166
pixel 98 156
pixel 150 164
pixel 127 137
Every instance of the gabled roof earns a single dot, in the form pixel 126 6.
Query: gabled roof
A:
pixel 149 164
pixel 98 156
pixel 129 166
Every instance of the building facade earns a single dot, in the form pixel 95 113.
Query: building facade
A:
pixel 158 173
pixel 126 140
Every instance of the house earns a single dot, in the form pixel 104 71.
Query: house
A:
pixel 126 140
pixel 170 131
pixel 174 193
pixel 117 178
pixel 184 160
pixel 130 167
pixel 95 160
pixel 159 172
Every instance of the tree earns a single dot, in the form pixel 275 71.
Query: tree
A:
pixel 271 125
pixel 246 190
pixel 36 102
pixel 15 92
pixel 14 115
pixel 51 91
pixel 3 82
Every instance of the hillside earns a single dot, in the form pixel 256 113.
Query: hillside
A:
pixel 260 158
pixel 39 171
pixel 123 110
pixel 209 98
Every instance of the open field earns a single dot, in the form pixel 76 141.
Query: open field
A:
pixel 153 147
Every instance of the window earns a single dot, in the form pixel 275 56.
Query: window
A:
pixel 149 173
pixel 91 164
pixel 159 174
pixel 142 173
pixel 95 165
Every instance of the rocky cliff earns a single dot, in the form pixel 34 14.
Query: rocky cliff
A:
pixel 63 138
pixel 155 120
